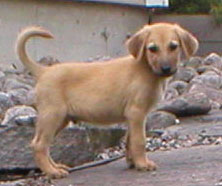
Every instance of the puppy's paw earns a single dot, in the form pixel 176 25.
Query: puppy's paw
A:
pixel 62 166
pixel 57 173
pixel 148 165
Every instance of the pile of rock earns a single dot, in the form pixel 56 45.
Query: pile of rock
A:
pixel 195 89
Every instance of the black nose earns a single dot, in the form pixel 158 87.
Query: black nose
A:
pixel 166 69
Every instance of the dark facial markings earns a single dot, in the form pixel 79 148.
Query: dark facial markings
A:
pixel 152 47
pixel 173 45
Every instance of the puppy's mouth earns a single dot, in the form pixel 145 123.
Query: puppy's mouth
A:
pixel 166 73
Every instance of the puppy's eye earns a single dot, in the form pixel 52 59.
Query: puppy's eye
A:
pixel 173 45
pixel 153 48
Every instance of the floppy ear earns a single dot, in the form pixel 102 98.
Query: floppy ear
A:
pixel 188 42
pixel 136 44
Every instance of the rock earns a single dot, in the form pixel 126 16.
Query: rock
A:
pixel 213 59
pixel 25 119
pixel 5 103
pixel 11 83
pixel 194 62
pixel 48 61
pixel 30 98
pixel 213 94
pixel 22 96
pixel 180 86
pixel 185 74
pixel 209 78
pixel 72 146
pixel 215 105
pixel 2 79
pixel 14 183
pixel 205 68
pixel 99 59
pixel 16 111
pixel 160 119
pixel 18 96
pixel 187 105
pixel 170 93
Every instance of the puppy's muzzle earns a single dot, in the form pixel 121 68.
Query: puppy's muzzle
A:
pixel 167 70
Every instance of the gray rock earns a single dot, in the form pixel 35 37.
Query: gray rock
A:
pixel 25 119
pixel 180 86
pixel 185 74
pixel 30 99
pixel 205 68
pixel 213 59
pixel 18 96
pixel 2 79
pixel 209 78
pixel 71 147
pixel 212 93
pixel 160 119
pixel 11 83
pixel 187 105
pixel 170 93
pixel 215 105
pixel 194 62
pixel 99 59
pixel 48 61
pixel 16 111
pixel 5 103
pixel 14 183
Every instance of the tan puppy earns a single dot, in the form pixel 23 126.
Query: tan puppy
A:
pixel 120 90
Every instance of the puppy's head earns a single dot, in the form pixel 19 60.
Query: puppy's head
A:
pixel 160 45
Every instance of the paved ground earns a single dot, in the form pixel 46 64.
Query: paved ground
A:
pixel 186 166
pixel 196 166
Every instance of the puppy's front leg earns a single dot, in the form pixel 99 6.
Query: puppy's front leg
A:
pixel 137 139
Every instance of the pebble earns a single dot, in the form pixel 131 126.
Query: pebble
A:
pixel 218 184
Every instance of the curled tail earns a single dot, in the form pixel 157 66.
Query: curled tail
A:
pixel 35 68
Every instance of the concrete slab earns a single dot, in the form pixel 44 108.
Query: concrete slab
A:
pixel 196 166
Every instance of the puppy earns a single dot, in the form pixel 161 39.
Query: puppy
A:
pixel 120 90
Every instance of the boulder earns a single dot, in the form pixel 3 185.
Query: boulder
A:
pixel 5 103
pixel 73 146
pixel 213 94
pixel 19 96
pixel 12 83
pixel 170 93
pixel 2 79
pixel 205 68
pixel 209 79
pixel 48 61
pixel 160 119
pixel 17 111
pixel 187 105
pixel 194 62
pixel 213 59
pixel 180 86
pixel 185 74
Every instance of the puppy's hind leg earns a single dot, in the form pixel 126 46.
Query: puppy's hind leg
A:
pixel 59 165
pixel 50 121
